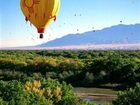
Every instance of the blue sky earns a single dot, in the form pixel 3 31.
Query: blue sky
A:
pixel 81 15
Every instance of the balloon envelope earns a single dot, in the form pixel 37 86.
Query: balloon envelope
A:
pixel 40 12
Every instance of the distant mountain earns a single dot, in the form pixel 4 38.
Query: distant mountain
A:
pixel 119 34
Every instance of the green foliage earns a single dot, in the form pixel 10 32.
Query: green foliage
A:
pixel 80 68
pixel 129 97
pixel 13 93
pixel 37 92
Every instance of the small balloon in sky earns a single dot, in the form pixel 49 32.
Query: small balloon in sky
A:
pixel 76 14
pixel 94 30
pixel 40 12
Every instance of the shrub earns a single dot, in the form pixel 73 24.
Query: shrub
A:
pixel 129 97
pixel 37 92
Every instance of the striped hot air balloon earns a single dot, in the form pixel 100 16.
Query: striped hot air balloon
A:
pixel 40 12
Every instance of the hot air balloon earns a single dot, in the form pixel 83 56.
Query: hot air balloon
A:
pixel 40 12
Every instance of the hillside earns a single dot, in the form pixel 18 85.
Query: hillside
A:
pixel 119 34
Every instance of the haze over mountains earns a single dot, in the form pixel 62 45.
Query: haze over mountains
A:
pixel 118 37
pixel 118 34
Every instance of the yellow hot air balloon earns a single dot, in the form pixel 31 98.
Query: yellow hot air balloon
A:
pixel 40 12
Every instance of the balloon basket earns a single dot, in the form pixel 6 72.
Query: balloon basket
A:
pixel 41 36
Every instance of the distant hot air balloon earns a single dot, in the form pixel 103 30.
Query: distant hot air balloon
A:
pixel 40 12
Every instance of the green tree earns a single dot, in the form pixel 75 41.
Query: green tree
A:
pixel 129 97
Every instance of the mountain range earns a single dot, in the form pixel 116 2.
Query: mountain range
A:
pixel 118 34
